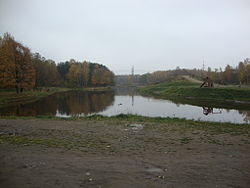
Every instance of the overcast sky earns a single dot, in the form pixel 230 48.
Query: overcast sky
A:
pixel 147 34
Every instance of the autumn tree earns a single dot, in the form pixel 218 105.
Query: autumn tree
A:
pixel 63 69
pixel 88 74
pixel 241 72
pixel 46 71
pixel 16 67
pixel 40 69
pixel 75 75
pixel 100 75
pixel 7 61
pixel 228 75
pixel 244 71
pixel 53 76
pixel 247 65
pixel 85 72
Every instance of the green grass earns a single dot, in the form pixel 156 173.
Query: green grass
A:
pixel 82 144
pixel 182 89
pixel 140 119
pixel 185 140
pixel 15 139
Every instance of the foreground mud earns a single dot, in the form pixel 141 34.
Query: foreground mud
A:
pixel 57 153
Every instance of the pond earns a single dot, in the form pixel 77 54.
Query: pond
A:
pixel 80 103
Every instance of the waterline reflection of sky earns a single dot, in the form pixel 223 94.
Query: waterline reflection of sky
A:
pixel 156 107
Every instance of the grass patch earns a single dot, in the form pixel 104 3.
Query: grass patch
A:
pixel 183 124
pixel 185 140
pixel 184 91
pixel 15 139
pixel 86 144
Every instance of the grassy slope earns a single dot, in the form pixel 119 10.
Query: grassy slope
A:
pixel 188 90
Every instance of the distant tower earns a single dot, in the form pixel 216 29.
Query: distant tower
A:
pixel 203 65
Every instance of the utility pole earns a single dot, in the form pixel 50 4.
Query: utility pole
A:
pixel 203 65
pixel 203 69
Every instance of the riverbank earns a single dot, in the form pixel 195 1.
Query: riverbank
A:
pixel 190 93
pixel 123 151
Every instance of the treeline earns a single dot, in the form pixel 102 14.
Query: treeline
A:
pixel 230 75
pixel 21 69
pixel 71 73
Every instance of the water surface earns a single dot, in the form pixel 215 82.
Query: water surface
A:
pixel 79 103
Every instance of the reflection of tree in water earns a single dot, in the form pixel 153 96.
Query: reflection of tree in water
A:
pixel 75 103
pixel 70 103
pixel 246 114
pixel 17 110
pixel 45 106
pixel 124 91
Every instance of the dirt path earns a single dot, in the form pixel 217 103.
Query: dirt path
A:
pixel 57 153
pixel 192 79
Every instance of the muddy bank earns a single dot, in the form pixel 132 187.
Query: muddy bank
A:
pixel 82 153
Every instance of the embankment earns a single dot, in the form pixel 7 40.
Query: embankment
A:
pixel 189 92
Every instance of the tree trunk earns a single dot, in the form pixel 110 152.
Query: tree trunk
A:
pixel 17 89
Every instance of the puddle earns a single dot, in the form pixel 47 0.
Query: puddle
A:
pixel 154 170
